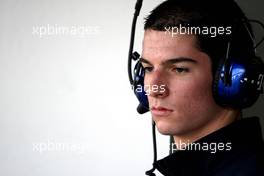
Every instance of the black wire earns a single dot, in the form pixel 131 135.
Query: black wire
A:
pixel 131 46
pixel 132 37
pixel 262 25
pixel 171 144
pixel 150 172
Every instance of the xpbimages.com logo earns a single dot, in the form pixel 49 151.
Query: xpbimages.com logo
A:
pixel 54 146
pixel 212 147
pixel 212 31
pixel 62 30
pixel 148 89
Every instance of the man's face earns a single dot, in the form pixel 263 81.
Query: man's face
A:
pixel 184 102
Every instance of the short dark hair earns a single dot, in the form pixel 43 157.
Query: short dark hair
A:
pixel 220 13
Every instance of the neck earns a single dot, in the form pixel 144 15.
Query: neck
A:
pixel 224 118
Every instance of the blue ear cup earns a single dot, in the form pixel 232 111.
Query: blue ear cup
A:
pixel 138 87
pixel 238 82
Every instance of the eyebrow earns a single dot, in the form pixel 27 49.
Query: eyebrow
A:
pixel 170 61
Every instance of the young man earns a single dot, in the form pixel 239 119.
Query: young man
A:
pixel 210 138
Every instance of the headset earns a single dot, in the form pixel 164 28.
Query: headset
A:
pixel 137 78
pixel 237 82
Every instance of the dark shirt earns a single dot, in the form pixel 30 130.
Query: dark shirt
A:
pixel 234 150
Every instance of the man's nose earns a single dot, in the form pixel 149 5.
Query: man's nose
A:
pixel 158 87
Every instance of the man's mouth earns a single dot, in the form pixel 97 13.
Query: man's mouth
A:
pixel 160 111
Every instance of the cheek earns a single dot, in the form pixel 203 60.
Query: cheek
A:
pixel 194 93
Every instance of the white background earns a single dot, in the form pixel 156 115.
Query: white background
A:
pixel 72 90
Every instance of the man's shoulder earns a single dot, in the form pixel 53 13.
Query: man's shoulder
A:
pixel 246 162
pixel 246 158
pixel 244 155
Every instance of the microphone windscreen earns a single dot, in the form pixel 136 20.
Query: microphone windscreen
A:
pixel 142 109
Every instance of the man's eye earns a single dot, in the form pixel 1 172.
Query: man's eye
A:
pixel 148 69
pixel 181 70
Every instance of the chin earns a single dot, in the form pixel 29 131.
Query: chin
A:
pixel 168 127
pixel 165 128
